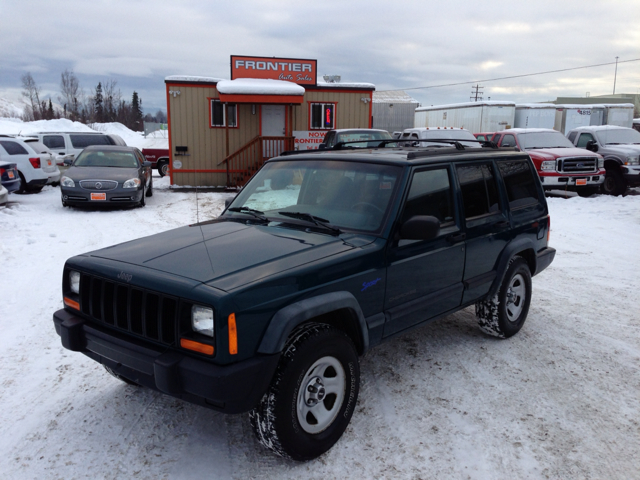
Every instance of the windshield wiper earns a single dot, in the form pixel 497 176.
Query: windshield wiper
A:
pixel 250 211
pixel 321 222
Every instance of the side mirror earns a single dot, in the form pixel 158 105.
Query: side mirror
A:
pixel 146 164
pixel 227 202
pixel 420 227
pixel 68 161
pixel 592 146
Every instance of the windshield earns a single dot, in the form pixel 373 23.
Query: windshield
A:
pixel 543 140
pixel 354 136
pixel 106 159
pixel 618 136
pixel 346 195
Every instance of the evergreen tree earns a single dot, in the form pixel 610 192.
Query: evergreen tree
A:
pixel 136 113
pixel 50 114
pixel 98 104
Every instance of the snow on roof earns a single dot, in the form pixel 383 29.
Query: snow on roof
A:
pixel 323 84
pixel 596 105
pixel 536 105
pixel 192 79
pixel 574 105
pixel 257 86
pixel 467 104
pixel 531 130
pixel 399 96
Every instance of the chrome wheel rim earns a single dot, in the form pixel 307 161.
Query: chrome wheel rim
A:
pixel 321 394
pixel 515 298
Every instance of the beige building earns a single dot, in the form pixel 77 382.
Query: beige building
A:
pixel 222 131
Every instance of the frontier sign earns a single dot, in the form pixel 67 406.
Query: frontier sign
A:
pixel 296 70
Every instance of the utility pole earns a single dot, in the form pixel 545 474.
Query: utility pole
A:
pixel 615 75
pixel 478 93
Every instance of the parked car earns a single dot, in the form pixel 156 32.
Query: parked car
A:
pixel 620 148
pixel 107 175
pixel 351 135
pixel 484 136
pixel 560 165
pixel 321 256
pixel 438 134
pixel 159 158
pixel 4 195
pixel 35 163
pixel 9 176
pixel 67 145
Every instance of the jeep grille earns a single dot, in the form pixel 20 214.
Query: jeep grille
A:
pixel 577 164
pixel 129 309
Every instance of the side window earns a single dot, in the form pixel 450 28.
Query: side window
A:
pixel 322 116
pixel 54 142
pixel 520 183
pixel 479 190
pixel 330 139
pixel 13 148
pixel 218 114
pixel 430 194
pixel 572 136
pixel 508 141
pixel 584 139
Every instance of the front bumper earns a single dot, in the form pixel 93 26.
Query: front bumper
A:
pixel 631 174
pixel 232 388
pixel 81 196
pixel 565 182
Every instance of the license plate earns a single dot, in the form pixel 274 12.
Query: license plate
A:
pixel 581 181
pixel 98 196
pixel 11 174
pixel 49 162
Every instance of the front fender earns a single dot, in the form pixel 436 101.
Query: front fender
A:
pixel 289 317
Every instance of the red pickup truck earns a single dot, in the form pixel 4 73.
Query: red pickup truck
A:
pixel 159 158
pixel 560 165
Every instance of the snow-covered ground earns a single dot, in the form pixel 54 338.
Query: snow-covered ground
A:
pixel 559 400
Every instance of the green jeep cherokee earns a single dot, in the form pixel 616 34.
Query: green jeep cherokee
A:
pixel 320 257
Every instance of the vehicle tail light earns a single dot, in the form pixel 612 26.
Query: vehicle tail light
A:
pixel 35 162
pixel 2 170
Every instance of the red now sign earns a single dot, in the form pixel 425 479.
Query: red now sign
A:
pixel 296 70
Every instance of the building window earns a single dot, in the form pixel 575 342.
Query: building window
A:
pixel 218 114
pixel 322 116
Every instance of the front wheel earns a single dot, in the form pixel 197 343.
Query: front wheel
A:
pixel 614 183
pixel 504 314
pixel 312 396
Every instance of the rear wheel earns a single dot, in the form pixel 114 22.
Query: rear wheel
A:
pixel 150 189
pixel 163 168
pixel 614 183
pixel 504 314
pixel 312 395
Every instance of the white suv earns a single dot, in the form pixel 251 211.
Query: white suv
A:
pixel 67 145
pixel 35 162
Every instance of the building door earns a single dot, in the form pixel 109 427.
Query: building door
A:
pixel 273 125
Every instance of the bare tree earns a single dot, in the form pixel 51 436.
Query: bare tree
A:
pixel 111 100
pixel 71 93
pixel 31 91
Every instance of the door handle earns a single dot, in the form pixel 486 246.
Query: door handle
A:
pixel 456 237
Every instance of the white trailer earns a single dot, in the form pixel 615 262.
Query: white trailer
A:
pixel 535 115
pixel 570 116
pixel 619 114
pixel 473 116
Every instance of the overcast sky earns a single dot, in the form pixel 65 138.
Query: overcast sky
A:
pixel 393 45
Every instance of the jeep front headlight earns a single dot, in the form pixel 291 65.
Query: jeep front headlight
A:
pixel 132 183
pixel 632 160
pixel 74 282
pixel 67 182
pixel 548 166
pixel 202 320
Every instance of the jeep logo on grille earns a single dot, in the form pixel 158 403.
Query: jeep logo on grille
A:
pixel 98 185
pixel 125 276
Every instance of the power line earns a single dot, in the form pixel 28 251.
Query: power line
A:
pixel 512 76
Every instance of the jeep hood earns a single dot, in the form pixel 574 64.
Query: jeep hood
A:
pixel 228 250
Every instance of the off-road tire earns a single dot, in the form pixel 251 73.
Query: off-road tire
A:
pixel 503 315
pixel 150 189
pixel 614 183
pixel 305 361
pixel 120 377
pixel 142 199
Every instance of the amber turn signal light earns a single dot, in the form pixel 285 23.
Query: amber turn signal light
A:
pixel 196 346
pixel 70 303
pixel 233 334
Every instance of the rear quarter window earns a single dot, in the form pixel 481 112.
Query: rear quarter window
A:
pixel 13 148
pixel 520 183
pixel 53 141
